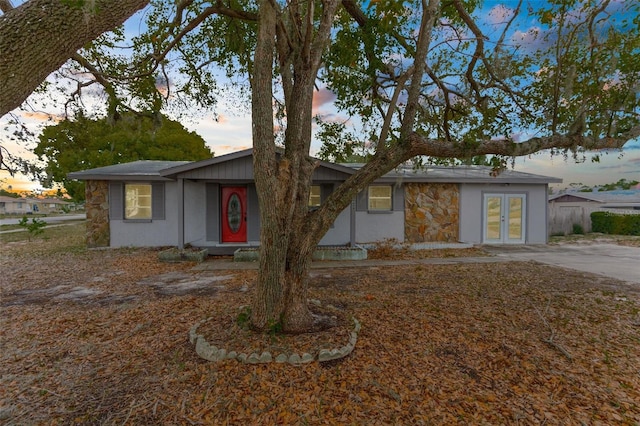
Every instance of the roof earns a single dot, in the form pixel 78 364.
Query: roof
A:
pixel 6 199
pixel 136 170
pixel 618 197
pixel 168 170
pixel 174 171
pixel 460 174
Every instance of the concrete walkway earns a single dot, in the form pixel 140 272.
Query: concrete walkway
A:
pixel 610 260
pixel 228 264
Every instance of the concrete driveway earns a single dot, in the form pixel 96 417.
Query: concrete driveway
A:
pixel 610 260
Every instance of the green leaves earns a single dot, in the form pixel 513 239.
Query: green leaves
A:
pixel 84 143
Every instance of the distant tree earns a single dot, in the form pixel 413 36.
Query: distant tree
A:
pixel 83 143
pixel 620 184
pixel 5 193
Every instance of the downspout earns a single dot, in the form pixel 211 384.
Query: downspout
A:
pixel 180 213
pixel 352 227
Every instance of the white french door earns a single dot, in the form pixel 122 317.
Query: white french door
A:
pixel 504 218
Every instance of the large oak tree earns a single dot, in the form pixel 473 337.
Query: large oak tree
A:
pixel 422 77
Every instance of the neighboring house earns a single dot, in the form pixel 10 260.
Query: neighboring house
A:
pixel 575 208
pixel 53 205
pixel 213 203
pixel 18 206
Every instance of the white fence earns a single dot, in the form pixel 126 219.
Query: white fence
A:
pixel 562 218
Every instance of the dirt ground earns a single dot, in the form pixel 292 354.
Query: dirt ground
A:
pixel 101 337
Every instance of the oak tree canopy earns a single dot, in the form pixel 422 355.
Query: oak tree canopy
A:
pixel 428 78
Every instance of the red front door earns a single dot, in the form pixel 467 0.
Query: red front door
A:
pixel 234 214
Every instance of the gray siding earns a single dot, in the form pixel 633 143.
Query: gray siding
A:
pixel 375 226
pixel 339 234
pixel 471 210
pixel 195 212
pixel 240 169
pixel 326 174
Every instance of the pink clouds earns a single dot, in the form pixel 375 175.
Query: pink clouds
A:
pixel 41 116
pixel 322 97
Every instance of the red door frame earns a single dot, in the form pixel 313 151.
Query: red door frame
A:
pixel 233 214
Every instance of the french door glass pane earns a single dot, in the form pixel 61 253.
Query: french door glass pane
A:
pixel 494 222
pixel 515 218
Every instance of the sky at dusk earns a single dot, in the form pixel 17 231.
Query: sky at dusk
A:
pixel 231 131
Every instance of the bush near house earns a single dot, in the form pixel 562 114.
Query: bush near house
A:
pixel 618 224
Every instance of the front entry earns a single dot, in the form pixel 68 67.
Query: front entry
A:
pixel 234 214
pixel 504 218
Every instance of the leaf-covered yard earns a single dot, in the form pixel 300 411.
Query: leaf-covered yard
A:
pixel 101 337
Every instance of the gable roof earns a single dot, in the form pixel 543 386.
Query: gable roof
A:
pixel 174 171
pixel 136 170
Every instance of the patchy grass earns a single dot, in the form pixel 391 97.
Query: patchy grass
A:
pixel 504 343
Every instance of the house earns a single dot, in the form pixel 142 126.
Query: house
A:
pixel 18 206
pixel 570 209
pixel 213 204
pixel 54 205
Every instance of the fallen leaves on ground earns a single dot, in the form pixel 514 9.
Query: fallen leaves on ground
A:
pixel 504 343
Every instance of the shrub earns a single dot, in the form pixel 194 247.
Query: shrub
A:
pixel 617 224
pixel 578 229
pixel 36 227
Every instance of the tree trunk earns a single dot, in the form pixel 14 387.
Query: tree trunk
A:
pixel 39 36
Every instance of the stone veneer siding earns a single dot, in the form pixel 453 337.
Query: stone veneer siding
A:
pixel 431 212
pixel 97 208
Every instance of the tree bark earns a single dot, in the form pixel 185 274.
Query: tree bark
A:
pixel 39 36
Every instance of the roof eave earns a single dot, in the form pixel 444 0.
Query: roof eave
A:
pixel 119 177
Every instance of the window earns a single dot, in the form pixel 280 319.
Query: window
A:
pixel 380 198
pixel 137 201
pixel 315 196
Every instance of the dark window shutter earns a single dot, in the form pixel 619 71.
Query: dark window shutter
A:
pixel 362 204
pixel 398 197
pixel 325 190
pixel 116 201
pixel 157 201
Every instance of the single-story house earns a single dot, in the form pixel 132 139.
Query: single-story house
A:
pixel 213 204
pixel 18 206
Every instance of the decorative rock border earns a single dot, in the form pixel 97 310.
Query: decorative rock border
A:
pixel 212 353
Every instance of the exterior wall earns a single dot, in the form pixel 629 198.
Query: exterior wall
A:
pixel 378 226
pixel 431 212
pixel 154 233
pixel 372 226
pixel 97 209
pixel 18 206
pixel 195 211
pixel 340 233
pixel 471 210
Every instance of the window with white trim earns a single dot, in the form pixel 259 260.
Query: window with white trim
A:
pixel 137 201
pixel 380 198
